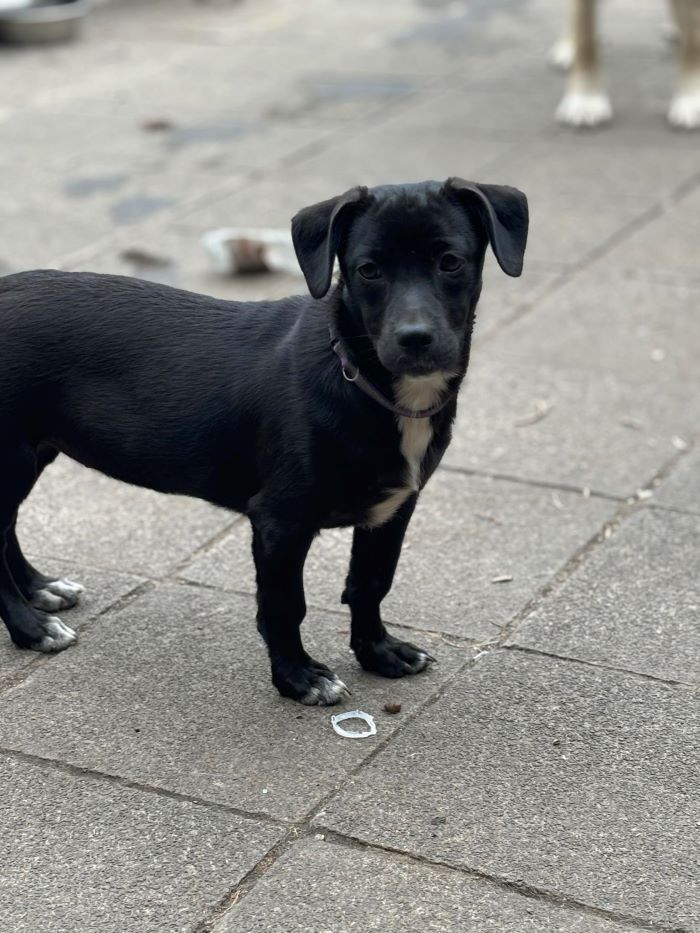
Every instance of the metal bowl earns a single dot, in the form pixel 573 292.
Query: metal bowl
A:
pixel 42 20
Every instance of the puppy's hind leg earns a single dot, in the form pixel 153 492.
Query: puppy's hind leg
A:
pixel 28 627
pixel 684 111
pixel 42 591
pixel 585 103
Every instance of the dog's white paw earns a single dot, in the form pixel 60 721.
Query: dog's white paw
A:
pixel 684 111
pixel 57 636
pixel 584 108
pixel 326 691
pixel 561 55
pixel 57 594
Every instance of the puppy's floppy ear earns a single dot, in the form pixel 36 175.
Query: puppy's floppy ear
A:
pixel 317 232
pixel 504 214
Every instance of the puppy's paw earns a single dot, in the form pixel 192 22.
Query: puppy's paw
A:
pixel 312 683
pixel 56 636
pixel 57 594
pixel 684 111
pixel 561 55
pixel 584 108
pixel 391 657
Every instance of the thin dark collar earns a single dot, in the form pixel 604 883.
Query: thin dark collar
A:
pixel 351 372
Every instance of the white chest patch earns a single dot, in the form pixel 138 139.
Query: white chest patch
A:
pixel 416 434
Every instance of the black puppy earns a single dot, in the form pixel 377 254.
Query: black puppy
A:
pixel 304 413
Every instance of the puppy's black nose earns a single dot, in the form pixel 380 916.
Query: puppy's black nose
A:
pixel 414 336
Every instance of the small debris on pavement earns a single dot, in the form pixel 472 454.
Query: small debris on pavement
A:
pixel 556 502
pixel 392 708
pixel 586 492
pixel 354 714
pixel 504 578
pixel 643 494
pixel 634 423
pixel 607 532
pixel 141 257
pixel 487 518
pixel 657 355
pixel 157 124
pixel 679 443
pixel 542 408
pixel 241 251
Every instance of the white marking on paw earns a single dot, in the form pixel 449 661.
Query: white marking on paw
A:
pixel 47 601
pixel 58 636
pixel 326 692
pixel 584 108
pixel 421 661
pixel 57 594
pixel 684 111
pixel 561 55
pixel 66 588
pixel 416 393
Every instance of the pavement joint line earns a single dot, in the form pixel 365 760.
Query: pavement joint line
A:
pixel 601 665
pixel 204 548
pixel 56 764
pixel 639 222
pixel 303 827
pixel 626 509
pixel 247 883
pixel 543 895
pixel 537 483
pixel 676 509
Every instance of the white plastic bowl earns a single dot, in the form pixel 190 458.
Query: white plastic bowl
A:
pixel 42 20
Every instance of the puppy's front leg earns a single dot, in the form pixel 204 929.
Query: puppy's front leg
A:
pixel 684 111
pixel 375 554
pixel 280 546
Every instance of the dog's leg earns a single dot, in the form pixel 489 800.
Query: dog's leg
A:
pixel 28 627
pixel 42 591
pixel 585 103
pixel 375 554
pixel 561 55
pixel 684 111
pixel 280 548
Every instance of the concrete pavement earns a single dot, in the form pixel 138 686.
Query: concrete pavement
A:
pixel 542 776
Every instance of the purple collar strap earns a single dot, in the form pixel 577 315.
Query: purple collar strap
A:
pixel 351 372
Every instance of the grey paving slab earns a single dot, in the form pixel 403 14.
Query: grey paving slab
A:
pixel 78 853
pixel 466 532
pixel 174 691
pixel 667 247
pixel 102 589
pixel 582 164
pixel 613 358
pixel 367 156
pixel 634 604
pixel 681 490
pixel 80 515
pixel 319 885
pixel 502 296
pixel 565 778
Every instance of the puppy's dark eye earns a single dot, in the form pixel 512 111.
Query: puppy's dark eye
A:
pixel 369 270
pixel 451 263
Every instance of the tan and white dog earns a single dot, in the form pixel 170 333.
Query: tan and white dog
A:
pixel 586 102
